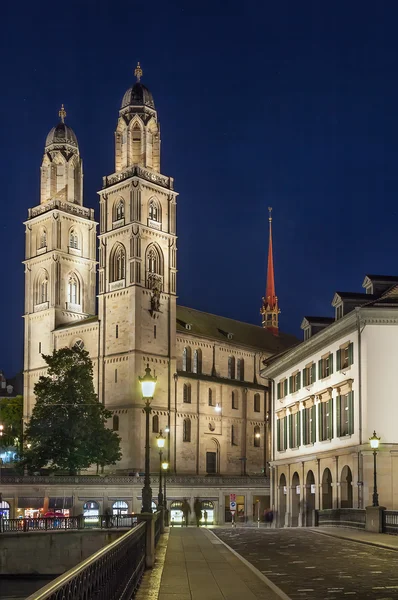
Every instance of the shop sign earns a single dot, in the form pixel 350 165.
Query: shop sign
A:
pixel 176 505
pixel 298 490
pixel 312 488
pixel 207 505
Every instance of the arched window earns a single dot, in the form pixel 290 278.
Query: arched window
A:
pixel 257 436
pixel 210 397
pixel 257 403
pixel 136 144
pixel 120 508
pixel 154 211
pixel 186 360
pixel 155 424
pixel 115 423
pixel 231 367
pixel 4 510
pixel 118 263
pixel 91 509
pixel 187 393
pixel 186 432
pixel 119 211
pixel 234 399
pixel 197 361
pixel 73 239
pixel 154 267
pixel 241 369
pixel 73 289
pixel 43 290
pixel 42 239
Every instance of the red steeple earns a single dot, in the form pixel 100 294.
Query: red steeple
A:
pixel 269 309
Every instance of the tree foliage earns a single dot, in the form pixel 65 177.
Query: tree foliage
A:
pixel 11 412
pixel 67 430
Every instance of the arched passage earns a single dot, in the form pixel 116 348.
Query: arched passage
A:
pixel 212 457
pixel 327 493
pixel 309 498
pixel 295 499
pixel 282 500
pixel 346 488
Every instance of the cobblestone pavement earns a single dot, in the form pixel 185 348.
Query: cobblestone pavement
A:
pixel 309 565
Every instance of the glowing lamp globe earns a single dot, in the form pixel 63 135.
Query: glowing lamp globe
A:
pixel 165 466
pixel 374 441
pixel 148 384
pixel 160 440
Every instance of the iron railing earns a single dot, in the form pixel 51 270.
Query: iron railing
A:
pixel 112 573
pixel 390 522
pixel 341 517
pixel 192 480
pixel 69 523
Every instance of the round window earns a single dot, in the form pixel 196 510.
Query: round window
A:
pixel 79 345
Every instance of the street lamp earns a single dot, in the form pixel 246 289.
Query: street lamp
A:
pixel 165 466
pixel 217 408
pixel 160 440
pixel 148 384
pixel 1 430
pixel 374 444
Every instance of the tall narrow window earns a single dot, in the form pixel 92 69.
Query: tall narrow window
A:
pixel 115 423
pixel 186 360
pixel 136 142
pixel 42 238
pixel 43 290
pixel 257 403
pixel 73 239
pixel 115 375
pixel 257 437
pixel 73 289
pixel 210 397
pixel 234 398
pixel 197 361
pixel 234 435
pixel 186 430
pixel 154 331
pixel 231 367
pixel 119 214
pixel 241 369
pixel 117 331
pixel 39 347
pixel 187 393
pixel 154 267
pixel 155 424
pixel 153 211
pixel 118 263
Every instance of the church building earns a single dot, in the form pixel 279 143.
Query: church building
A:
pixel 210 398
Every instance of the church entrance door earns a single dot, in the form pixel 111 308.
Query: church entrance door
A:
pixel 211 462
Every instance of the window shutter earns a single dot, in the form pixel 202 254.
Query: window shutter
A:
pixel 290 384
pixel 278 434
pixel 320 428
pixel 330 363
pixel 351 354
pixel 313 368
pixel 284 433
pixel 351 412
pixel 290 431
pixel 298 437
pixel 304 377
pixel 298 380
pixel 313 424
pixel 330 407
pixel 320 369
pixel 338 360
pixel 285 387
pixel 338 410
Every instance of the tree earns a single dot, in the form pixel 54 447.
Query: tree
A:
pixel 11 412
pixel 67 430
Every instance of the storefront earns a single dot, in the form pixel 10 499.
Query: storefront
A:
pixel 208 508
pixel 176 514
pixel 60 505
pixel 30 507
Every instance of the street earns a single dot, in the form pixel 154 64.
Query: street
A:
pixel 304 564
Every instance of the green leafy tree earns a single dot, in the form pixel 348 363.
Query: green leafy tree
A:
pixel 67 430
pixel 11 412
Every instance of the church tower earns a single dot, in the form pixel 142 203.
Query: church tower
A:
pixel 137 274
pixel 60 250
pixel 270 309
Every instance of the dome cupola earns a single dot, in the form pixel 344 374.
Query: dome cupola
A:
pixel 138 94
pixel 61 134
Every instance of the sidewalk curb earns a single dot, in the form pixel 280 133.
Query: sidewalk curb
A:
pixel 260 575
pixel 351 539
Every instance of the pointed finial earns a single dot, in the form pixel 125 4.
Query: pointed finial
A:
pixel 62 113
pixel 270 213
pixel 138 71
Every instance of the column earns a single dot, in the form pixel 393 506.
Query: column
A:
pixel 336 483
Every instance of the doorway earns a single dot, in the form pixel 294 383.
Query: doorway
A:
pixel 309 498
pixel 282 501
pixel 346 488
pixel 327 492
pixel 295 499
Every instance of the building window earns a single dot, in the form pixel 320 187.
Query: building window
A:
pixel 345 414
pixel 339 312
pixel 155 424
pixel 39 347
pixel 119 213
pixel 43 290
pixel 115 375
pixel 73 290
pixel 325 420
pixel 345 356
pixel 294 430
pixel 42 238
pixel 186 432
pixel 117 331
pixel 307 333
pixel 210 397
pixel 186 359
pixel 115 423
pixel 78 345
pixel 197 361
pixel 234 398
pixel 309 374
pixel 154 212
pixel 281 434
pixel 154 332
pixel 257 437
pixel 154 267
pixel 309 425
pixel 231 367
pixel 257 403
pixel 295 382
pixel 187 393
pixel 282 389
pixel 234 436
pixel 240 369
pixel 73 239
pixel 118 263
pixel 325 366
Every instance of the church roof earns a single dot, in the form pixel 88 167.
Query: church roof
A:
pixel 224 329
pixel 61 134
pixel 138 95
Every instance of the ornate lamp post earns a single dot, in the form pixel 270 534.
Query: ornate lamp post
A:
pixel 160 440
pixel 374 444
pixel 148 384
pixel 165 466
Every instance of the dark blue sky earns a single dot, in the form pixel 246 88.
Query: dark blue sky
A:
pixel 289 104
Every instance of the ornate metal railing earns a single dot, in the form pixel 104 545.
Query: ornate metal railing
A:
pixel 390 522
pixel 193 480
pixel 112 573
pixel 341 517
pixel 69 523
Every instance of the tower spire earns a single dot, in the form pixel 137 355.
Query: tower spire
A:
pixel 269 309
pixel 138 72
pixel 62 114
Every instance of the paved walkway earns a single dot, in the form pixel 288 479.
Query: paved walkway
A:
pixel 198 566
pixel 383 540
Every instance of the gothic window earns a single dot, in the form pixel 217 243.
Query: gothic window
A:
pixel 186 430
pixel 73 289
pixel 240 369
pixel 155 424
pixel 42 241
pixel 118 263
pixel 257 437
pixel 119 212
pixel 43 290
pixel 154 212
pixel 115 423
pixel 187 393
pixel 73 239
pixel 197 362
pixel 136 143
pixel 186 360
pixel 231 367
pixel 41 287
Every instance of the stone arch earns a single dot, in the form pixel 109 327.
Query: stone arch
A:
pixel 346 499
pixel 310 493
pixel 295 499
pixel 41 287
pixel 117 263
pixel 282 500
pixel 327 491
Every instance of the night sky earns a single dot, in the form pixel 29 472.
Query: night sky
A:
pixel 285 104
